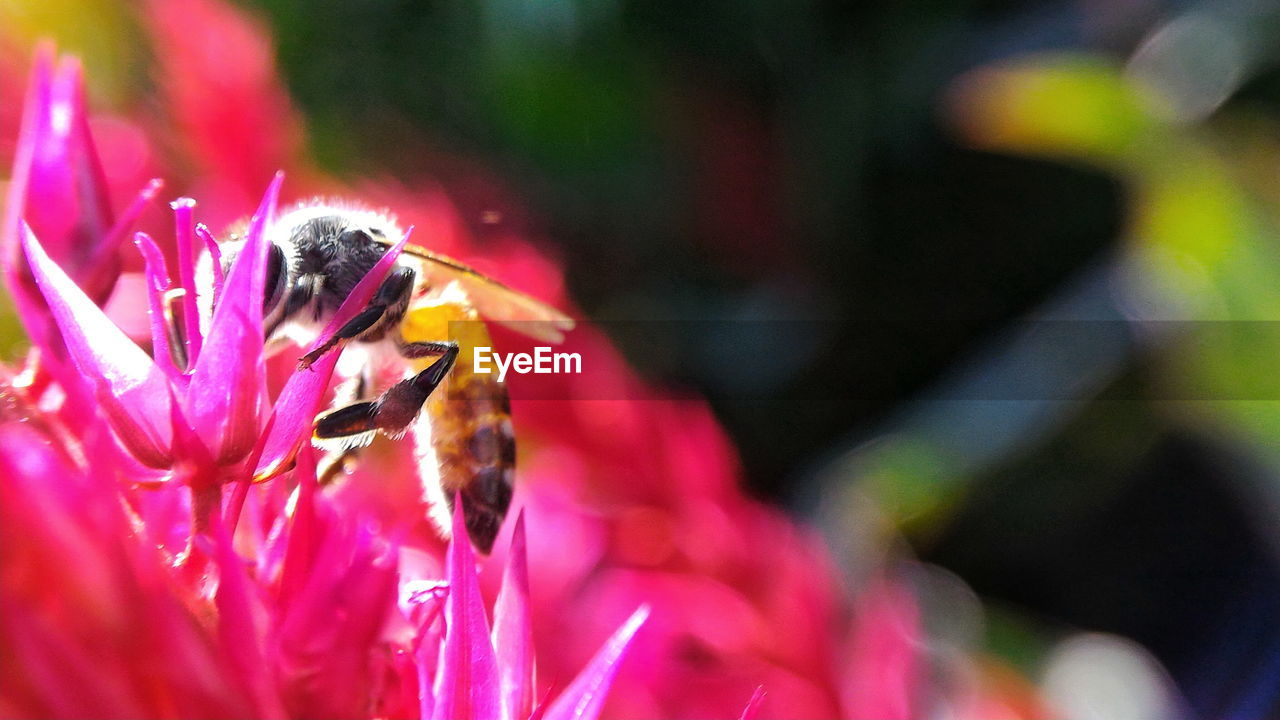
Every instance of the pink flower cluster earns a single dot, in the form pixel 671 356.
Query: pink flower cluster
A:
pixel 323 619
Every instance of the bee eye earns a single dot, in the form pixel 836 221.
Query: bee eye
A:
pixel 276 277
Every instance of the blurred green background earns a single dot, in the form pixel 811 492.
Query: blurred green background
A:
pixel 771 161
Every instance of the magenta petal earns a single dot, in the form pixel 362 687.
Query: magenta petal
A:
pixel 425 607
pixel 58 186
pixel 35 109
pixel 303 538
pixel 215 257
pixel 292 416
pixel 67 168
pixel 145 197
pixel 184 237
pixel 132 389
pixel 240 621
pixel 157 285
pixel 299 402
pixel 223 398
pixel 513 629
pixel 33 142
pixel 324 636
pixel 467 686
pixel 585 696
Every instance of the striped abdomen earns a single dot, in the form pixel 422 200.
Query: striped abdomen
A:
pixel 476 449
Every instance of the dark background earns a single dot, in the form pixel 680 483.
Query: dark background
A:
pixel 694 161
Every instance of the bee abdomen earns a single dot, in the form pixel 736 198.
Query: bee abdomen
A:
pixel 476 448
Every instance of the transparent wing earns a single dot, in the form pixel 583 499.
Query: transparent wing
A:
pixel 493 300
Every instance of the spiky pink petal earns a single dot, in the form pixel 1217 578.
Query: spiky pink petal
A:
pixel 145 197
pixel 301 548
pixel 131 389
pixel 585 696
pixel 241 620
pixel 58 186
pixel 325 634
pixel 422 603
pixel 467 685
pixel 513 629
pixel 300 400
pixel 184 237
pixel 337 587
pixel 292 415
pixel 215 256
pixel 158 284
pixel 223 398
pixel 35 111
pixel 369 596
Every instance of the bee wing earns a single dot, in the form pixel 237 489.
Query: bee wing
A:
pixel 493 300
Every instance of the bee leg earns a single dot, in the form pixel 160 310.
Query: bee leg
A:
pixel 394 292
pixel 416 350
pixel 393 411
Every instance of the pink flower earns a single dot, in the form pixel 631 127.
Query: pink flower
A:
pixel 58 188
pixel 200 422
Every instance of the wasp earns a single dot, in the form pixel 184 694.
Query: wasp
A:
pixel 424 319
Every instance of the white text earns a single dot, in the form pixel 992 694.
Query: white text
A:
pixel 541 362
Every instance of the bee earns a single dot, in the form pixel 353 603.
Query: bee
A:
pixel 422 321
